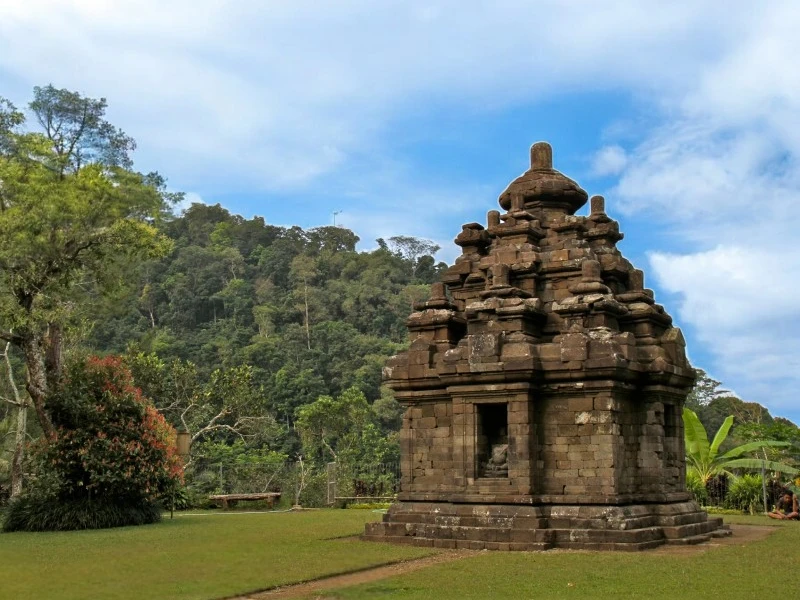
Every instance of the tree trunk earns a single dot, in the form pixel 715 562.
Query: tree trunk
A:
pixel 305 299
pixel 17 470
pixel 52 357
pixel 37 384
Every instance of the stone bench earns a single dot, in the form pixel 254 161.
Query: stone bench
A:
pixel 230 500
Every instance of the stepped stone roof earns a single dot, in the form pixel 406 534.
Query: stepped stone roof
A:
pixel 539 292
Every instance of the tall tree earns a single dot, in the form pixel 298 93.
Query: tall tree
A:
pixel 72 213
pixel 413 249
pixel 705 389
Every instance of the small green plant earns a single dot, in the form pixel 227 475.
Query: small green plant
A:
pixel 696 487
pixel 39 513
pixel 746 493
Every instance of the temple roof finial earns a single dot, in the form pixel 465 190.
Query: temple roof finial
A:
pixel 541 156
pixel 542 185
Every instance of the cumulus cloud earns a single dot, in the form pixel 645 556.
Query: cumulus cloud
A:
pixel 724 173
pixel 742 302
pixel 281 96
pixel 609 160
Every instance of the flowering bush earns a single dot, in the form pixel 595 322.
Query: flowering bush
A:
pixel 112 448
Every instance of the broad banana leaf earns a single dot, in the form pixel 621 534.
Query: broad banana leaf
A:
pixel 721 435
pixel 757 463
pixel 695 436
pixel 751 447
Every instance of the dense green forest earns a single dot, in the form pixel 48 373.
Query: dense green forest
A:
pixel 244 323
pixel 309 313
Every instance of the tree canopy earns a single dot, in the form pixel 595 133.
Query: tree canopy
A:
pixel 73 217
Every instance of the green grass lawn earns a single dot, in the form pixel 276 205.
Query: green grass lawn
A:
pixel 207 556
pixel 219 555
pixel 769 568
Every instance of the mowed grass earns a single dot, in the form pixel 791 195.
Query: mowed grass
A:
pixel 768 568
pixel 190 557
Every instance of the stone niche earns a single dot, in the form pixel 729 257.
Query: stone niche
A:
pixel 543 389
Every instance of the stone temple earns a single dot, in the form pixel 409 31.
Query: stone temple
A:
pixel 543 390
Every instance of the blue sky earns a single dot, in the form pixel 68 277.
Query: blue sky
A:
pixel 411 117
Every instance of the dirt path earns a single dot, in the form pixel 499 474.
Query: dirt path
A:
pixel 364 576
pixel 742 534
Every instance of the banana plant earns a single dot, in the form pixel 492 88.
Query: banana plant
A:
pixel 705 459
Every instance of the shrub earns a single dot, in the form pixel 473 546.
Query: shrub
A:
pixel 716 510
pixel 695 486
pixel 40 513
pixel 113 455
pixel 746 493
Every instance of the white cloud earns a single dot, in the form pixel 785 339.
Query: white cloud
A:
pixel 609 160
pixel 740 300
pixel 724 173
pixel 282 94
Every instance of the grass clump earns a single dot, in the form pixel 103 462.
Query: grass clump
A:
pixel 370 505
pixel 34 513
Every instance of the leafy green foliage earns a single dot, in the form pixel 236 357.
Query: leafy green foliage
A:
pixel 705 459
pixel 330 426
pixel 696 487
pixel 73 218
pixel 746 493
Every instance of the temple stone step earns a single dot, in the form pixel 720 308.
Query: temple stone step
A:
pixel 690 540
pixel 459 544
pixel 481 545
pixel 690 530
pixel 467 521
pixel 566 538
pixel 724 531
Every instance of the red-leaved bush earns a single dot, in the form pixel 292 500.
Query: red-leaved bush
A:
pixel 111 442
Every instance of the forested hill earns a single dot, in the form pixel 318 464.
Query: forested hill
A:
pixel 303 309
pixel 307 311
